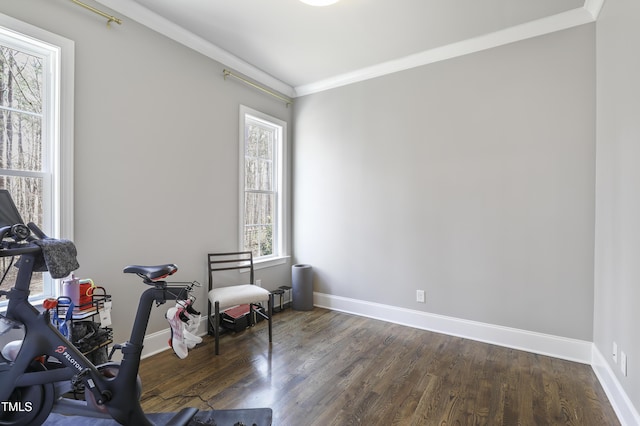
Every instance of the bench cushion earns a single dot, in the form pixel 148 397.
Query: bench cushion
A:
pixel 238 295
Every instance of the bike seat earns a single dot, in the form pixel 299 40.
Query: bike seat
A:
pixel 151 273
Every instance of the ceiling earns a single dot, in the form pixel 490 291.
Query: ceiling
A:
pixel 298 49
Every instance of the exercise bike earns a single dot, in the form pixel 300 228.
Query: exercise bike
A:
pixel 48 367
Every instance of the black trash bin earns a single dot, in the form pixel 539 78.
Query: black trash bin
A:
pixel 302 283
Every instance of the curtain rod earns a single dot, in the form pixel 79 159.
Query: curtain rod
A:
pixel 109 18
pixel 287 101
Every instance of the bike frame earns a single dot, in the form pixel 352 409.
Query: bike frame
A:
pixel 119 394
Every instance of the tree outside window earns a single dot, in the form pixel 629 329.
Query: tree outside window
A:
pixel 21 94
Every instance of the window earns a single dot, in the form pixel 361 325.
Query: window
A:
pixel 262 184
pixel 35 144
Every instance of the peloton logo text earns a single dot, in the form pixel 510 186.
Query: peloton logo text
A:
pixel 63 350
pixel 8 406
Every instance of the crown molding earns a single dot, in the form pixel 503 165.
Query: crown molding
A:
pixel 152 20
pixel 594 7
pixel 558 22
pixel 572 18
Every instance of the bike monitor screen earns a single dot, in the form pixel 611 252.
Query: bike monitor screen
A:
pixel 9 214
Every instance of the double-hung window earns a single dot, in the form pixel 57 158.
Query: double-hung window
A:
pixel 262 185
pixel 35 143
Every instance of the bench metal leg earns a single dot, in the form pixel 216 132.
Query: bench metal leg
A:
pixel 270 313
pixel 216 326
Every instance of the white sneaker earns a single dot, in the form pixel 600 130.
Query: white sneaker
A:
pixel 177 341
pixel 191 318
pixel 191 339
pixel 193 324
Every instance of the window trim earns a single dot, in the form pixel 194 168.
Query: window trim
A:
pixel 282 199
pixel 61 120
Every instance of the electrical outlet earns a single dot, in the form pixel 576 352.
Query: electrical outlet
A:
pixel 420 296
pixel 623 363
pixel 259 283
pixel 614 354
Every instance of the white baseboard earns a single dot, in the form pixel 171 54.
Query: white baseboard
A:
pixel 618 398
pixel 540 343
pixel 544 344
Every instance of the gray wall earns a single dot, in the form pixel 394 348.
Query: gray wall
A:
pixel 472 179
pixel 617 277
pixel 156 157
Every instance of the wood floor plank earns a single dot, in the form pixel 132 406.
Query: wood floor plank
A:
pixel 330 368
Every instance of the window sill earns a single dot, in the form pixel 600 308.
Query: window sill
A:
pixel 270 262
pixel 36 303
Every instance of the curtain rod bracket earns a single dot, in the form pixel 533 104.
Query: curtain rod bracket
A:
pixel 109 18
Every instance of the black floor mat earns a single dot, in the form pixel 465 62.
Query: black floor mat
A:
pixel 239 417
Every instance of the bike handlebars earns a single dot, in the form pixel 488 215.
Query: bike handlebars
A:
pixel 17 239
pixel 17 232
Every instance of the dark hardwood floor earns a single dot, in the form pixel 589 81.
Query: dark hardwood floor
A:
pixel 330 368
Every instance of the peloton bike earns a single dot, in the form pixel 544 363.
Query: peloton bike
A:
pixel 48 366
